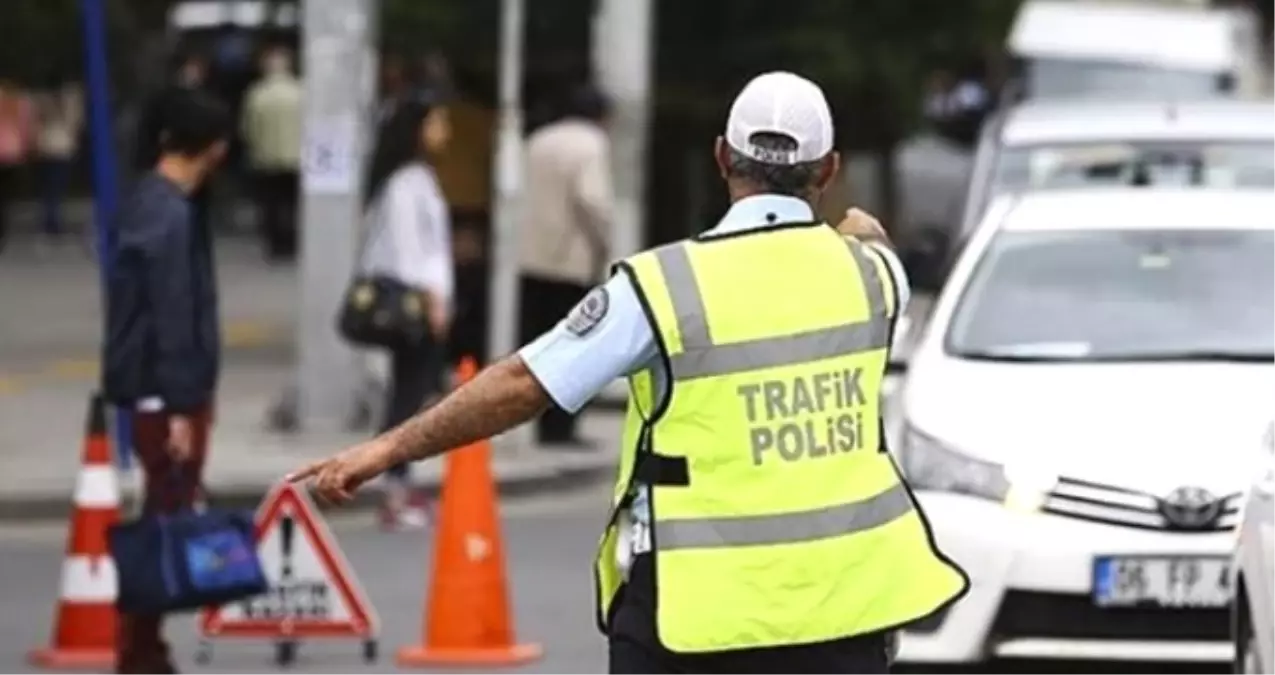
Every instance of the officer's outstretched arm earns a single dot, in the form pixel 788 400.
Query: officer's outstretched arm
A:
pixel 499 398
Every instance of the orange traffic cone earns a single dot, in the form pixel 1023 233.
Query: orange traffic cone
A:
pixel 84 629
pixel 467 620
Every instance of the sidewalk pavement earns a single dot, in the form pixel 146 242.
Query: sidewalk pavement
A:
pixel 50 328
pixel 41 438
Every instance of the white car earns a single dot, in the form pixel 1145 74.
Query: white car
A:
pixel 1076 422
pixel 1041 145
pixel 1253 620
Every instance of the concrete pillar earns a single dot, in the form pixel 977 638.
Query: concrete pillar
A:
pixel 339 63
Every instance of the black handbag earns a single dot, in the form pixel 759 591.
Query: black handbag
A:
pixel 381 311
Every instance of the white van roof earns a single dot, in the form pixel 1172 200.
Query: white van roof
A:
pixel 1170 37
pixel 1052 122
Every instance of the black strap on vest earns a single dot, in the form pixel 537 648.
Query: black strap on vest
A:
pixel 656 469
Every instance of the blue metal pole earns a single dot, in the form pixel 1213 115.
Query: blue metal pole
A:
pixel 105 184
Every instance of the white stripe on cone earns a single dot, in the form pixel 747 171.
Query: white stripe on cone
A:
pixel 97 487
pixel 88 579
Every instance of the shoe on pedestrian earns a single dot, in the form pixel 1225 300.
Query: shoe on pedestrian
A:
pixel 403 518
pixel 403 508
pixel 148 668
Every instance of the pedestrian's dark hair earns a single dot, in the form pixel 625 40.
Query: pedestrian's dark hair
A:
pixel 795 180
pixel 398 141
pixel 587 102
pixel 194 122
pixel 186 55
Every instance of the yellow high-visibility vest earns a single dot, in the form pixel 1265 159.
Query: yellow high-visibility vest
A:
pixel 777 517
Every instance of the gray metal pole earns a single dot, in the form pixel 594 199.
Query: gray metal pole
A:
pixel 503 323
pixel 622 39
pixel 338 64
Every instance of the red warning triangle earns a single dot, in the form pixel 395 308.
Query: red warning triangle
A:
pixel 313 591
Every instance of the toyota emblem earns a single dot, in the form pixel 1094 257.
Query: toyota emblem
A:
pixel 1191 508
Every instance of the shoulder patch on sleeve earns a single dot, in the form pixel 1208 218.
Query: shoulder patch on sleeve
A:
pixel 588 313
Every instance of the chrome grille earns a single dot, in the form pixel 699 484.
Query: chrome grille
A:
pixel 1125 507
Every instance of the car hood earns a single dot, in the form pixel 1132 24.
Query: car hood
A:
pixel 1152 427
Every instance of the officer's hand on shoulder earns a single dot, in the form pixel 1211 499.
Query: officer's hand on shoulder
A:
pixel 863 226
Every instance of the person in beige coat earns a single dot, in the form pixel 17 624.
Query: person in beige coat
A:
pixel 271 127
pixel 565 235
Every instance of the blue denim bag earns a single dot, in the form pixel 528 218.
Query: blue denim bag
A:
pixel 181 562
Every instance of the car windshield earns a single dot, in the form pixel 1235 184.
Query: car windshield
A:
pixel 1210 164
pixel 1120 295
pixel 1073 78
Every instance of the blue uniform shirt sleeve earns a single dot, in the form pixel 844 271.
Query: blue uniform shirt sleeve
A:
pixel 580 356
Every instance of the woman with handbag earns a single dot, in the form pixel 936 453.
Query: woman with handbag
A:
pixel 402 300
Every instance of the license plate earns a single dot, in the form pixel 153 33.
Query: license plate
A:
pixel 1168 581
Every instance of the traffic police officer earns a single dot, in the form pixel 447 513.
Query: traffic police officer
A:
pixel 758 524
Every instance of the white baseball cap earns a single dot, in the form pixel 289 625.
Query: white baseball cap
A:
pixel 785 104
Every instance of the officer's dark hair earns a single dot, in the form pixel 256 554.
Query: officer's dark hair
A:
pixel 194 122
pixel 794 180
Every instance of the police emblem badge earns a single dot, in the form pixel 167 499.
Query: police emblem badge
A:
pixel 589 312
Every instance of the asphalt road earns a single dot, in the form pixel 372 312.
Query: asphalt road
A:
pixel 549 541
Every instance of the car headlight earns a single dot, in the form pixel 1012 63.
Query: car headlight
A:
pixel 928 464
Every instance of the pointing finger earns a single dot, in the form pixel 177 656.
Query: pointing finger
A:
pixel 311 470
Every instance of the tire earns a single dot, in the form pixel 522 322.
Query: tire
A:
pixel 930 669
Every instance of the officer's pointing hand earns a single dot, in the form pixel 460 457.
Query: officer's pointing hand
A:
pixel 337 478
pixel 862 226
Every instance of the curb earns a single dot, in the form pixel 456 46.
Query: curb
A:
pixel 582 473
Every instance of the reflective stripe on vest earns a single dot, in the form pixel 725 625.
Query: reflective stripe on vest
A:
pixel 788 528
pixel 700 357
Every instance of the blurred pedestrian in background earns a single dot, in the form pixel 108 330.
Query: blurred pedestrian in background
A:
pixel 17 126
pixel 162 353
pixel 271 127
pixel 60 117
pixel 565 235
pixel 190 73
pixel 395 84
pixel 409 240
pixel 957 104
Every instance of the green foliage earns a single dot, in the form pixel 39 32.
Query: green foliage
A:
pixel 870 56
pixel 464 29
pixel 45 38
